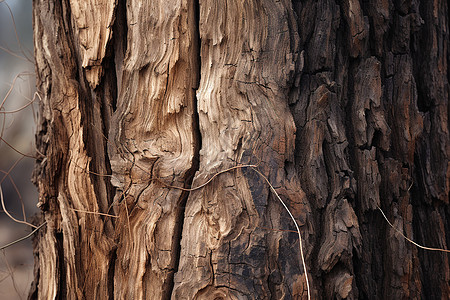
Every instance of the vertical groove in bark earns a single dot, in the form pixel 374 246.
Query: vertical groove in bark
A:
pixel 154 137
pixel 69 111
pixel 242 94
pixel 194 18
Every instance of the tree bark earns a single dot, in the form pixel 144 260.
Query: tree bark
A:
pixel 341 105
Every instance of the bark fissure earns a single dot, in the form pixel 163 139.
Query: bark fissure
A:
pixel 196 151
pixel 61 292
pixel 112 266
pixel 120 46
pixel 197 146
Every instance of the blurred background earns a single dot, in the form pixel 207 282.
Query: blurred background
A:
pixel 18 113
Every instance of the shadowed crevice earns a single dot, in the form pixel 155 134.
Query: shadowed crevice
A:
pixel 112 267
pixel 194 17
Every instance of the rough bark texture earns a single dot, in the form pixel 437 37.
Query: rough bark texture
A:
pixel 342 104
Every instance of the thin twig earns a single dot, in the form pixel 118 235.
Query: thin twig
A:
pixel 207 182
pixel 18 151
pixel 94 212
pixel 10 169
pixel 4 277
pixel 17 35
pixel 23 238
pixel 280 230
pixel 296 226
pixel 8 214
pixel 408 239
pixel 11 275
pixel 85 169
pixel 18 194
pixel 11 88
pixel 30 102
pixel 9 91
pixel 13 54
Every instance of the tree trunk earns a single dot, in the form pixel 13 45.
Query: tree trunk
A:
pixel 341 105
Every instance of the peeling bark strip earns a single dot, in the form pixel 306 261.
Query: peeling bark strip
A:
pixel 343 104
pixel 92 39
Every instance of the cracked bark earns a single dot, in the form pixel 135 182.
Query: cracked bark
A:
pixel 343 105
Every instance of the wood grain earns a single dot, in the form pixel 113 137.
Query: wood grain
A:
pixel 154 137
pixel 244 117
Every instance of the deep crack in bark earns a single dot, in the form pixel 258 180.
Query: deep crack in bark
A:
pixel 195 17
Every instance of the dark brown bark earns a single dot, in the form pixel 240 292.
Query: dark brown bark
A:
pixel 342 104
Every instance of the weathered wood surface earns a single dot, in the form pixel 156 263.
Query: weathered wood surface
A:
pixel 372 125
pixel 154 134
pixel 342 104
pixel 226 249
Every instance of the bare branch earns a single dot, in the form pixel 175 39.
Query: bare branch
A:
pixel 23 238
pixel 8 214
pixel 408 239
